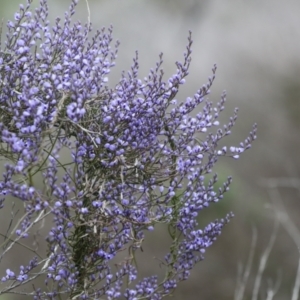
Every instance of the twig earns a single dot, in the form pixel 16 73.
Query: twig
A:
pixel 263 261
pixel 242 282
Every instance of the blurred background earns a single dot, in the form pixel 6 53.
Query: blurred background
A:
pixel 256 45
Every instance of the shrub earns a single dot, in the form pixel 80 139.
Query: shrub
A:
pixel 138 159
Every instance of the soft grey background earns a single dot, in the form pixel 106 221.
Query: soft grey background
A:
pixel 256 45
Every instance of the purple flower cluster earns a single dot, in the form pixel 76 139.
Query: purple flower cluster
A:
pixel 138 158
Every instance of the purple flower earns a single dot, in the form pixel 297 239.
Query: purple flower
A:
pixel 134 160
